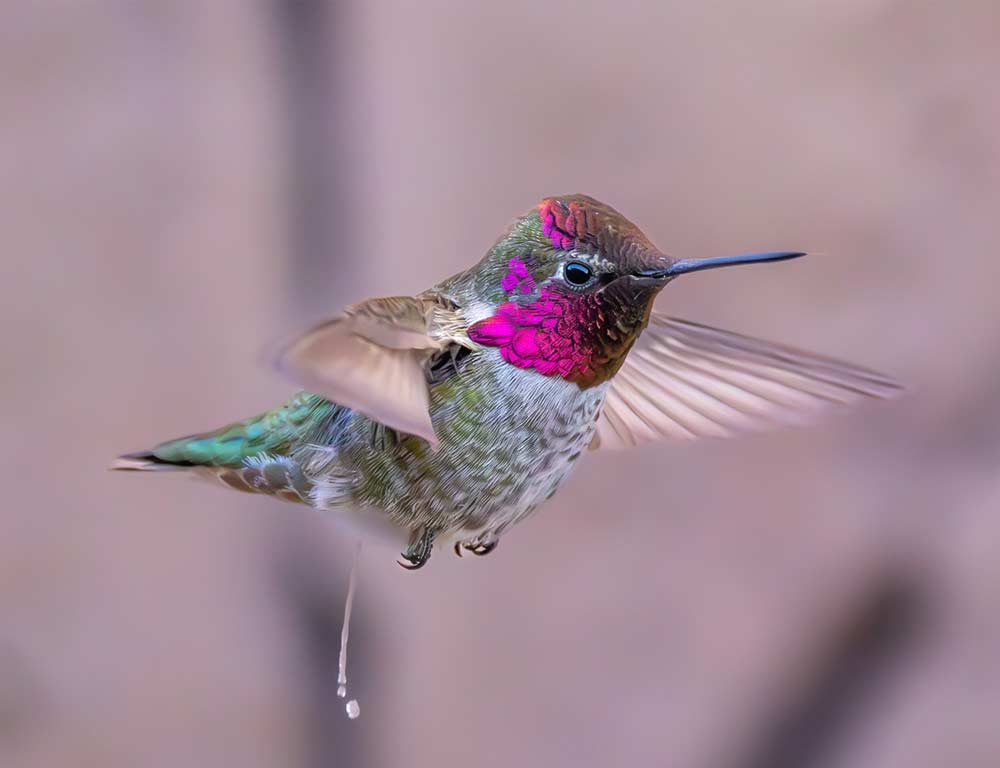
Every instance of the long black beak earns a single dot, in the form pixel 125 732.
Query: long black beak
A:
pixel 684 266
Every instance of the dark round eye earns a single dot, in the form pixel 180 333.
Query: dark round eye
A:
pixel 578 273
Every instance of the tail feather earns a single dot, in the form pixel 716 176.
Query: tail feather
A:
pixel 145 461
pixel 272 433
pixel 275 475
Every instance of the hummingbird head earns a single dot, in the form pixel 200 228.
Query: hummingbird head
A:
pixel 572 284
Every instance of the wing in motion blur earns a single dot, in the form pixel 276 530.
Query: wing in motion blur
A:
pixel 685 380
pixel 372 358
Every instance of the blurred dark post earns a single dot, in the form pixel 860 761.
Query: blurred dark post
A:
pixel 314 48
pixel 863 652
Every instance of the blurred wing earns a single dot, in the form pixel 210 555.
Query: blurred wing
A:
pixel 684 380
pixel 371 358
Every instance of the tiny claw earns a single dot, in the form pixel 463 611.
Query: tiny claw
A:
pixel 484 549
pixel 458 548
pixel 419 551
pixel 479 549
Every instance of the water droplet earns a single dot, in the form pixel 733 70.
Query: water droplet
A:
pixel 345 633
pixel 353 709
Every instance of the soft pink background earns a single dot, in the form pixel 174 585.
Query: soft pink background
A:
pixel 185 182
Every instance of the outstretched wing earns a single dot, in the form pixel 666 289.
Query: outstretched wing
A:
pixel 372 358
pixel 685 380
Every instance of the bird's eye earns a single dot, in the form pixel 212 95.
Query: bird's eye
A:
pixel 578 273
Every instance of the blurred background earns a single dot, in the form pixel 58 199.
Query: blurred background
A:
pixel 185 182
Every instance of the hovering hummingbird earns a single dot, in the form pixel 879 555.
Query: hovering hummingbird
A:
pixel 451 415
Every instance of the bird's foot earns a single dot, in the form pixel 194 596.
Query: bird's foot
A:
pixel 419 551
pixel 477 547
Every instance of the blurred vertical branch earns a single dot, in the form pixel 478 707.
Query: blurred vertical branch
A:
pixel 313 42
pixel 315 48
pixel 314 582
pixel 865 648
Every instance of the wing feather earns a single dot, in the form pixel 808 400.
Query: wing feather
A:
pixel 683 380
pixel 372 359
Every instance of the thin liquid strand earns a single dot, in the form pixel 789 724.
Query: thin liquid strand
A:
pixel 353 709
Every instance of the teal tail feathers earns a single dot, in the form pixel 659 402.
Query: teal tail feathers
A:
pixel 230 446
pixel 271 434
pixel 147 461
pixel 252 455
pixel 224 457
pixel 226 447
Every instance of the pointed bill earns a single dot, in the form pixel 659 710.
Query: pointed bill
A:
pixel 685 266
pixel 683 380
pixel 663 267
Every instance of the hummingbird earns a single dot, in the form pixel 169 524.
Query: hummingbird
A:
pixel 450 416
